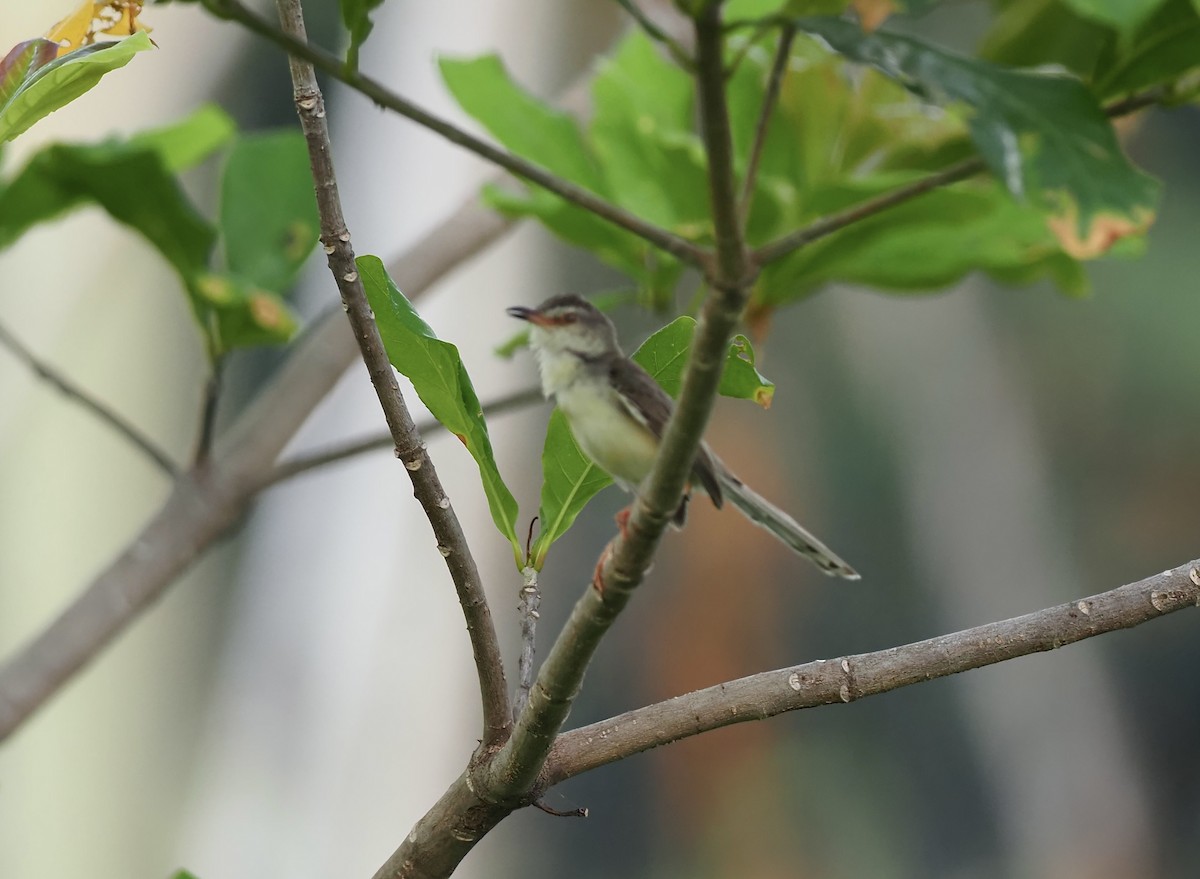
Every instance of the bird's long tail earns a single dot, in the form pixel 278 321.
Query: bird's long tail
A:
pixel 766 515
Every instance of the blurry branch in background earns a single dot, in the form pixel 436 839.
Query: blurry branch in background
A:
pixel 526 170
pixel 306 463
pixel 208 410
pixel 410 448
pixel 830 682
pixel 68 388
pixel 205 503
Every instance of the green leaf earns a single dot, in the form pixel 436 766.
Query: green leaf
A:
pixel 642 133
pixel 356 15
pixel 570 479
pixel 552 139
pixel 441 381
pixel 1042 134
pixel 520 121
pixel 32 88
pixel 236 313
pixel 269 220
pixel 922 244
pixel 1122 15
pixel 187 143
pixel 130 182
pixel 1162 51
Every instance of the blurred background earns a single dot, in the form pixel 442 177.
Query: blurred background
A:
pixel 300 698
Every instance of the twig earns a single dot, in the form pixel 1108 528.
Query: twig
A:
pixel 654 32
pixel 955 173
pixel 410 449
pixel 770 99
pixel 208 411
pixel 831 682
pixel 580 812
pixel 673 244
pixel 835 222
pixel 305 463
pixel 73 391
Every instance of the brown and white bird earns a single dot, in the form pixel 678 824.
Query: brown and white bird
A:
pixel 618 412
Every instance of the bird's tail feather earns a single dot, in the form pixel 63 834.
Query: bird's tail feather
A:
pixel 766 515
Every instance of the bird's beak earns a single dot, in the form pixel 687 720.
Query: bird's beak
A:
pixel 532 315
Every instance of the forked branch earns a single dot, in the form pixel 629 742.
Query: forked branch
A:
pixel 410 449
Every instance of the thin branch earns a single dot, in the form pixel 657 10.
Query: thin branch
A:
pixel 770 99
pixel 73 391
pixel 410 448
pixel 955 173
pixel 831 682
pixel 526 170
pixel 208 411
pixel 839 220
pixel 305 463
pixel 654 32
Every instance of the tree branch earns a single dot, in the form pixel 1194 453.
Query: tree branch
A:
pixel 300 49
pixel 770 99
pixel 304 463
pixel 410 448
pixel 69 389
pixel 623 565
pixel 654 32
pixel 830 682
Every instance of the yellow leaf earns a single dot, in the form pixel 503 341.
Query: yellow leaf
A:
pixel 73 31
pixel 116 18
pixel 1102 233
pixel 873 13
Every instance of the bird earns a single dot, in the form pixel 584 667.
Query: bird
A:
pixel 617 413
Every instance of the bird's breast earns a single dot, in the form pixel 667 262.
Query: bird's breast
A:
pixel 607 434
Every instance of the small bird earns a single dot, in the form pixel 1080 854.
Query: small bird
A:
pixel 618 413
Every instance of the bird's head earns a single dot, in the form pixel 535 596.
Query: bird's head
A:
pixel 568 325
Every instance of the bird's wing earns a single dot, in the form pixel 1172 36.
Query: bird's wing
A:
pixel 656 407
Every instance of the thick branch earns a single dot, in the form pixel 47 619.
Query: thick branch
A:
pixel 526 170
pixel 516 768
pixel 69 389
pixel 830 682
pixel 452 543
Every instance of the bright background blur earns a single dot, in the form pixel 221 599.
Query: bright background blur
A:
pixel 301 696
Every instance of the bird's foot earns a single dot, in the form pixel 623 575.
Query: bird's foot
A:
pixel 598 574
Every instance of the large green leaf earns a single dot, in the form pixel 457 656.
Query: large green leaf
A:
pixel 356 15
pixel 131 183
pixel 527 126
pixel 538 132
pixel 570 479
pixel 441 381
pixel 118 175
pixel 1123 15
pixel 1041 133
pixel 922 244
pixel 269 217
pixel 1161 51
pixel 32 87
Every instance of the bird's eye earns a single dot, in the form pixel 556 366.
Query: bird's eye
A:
pixel 569 318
